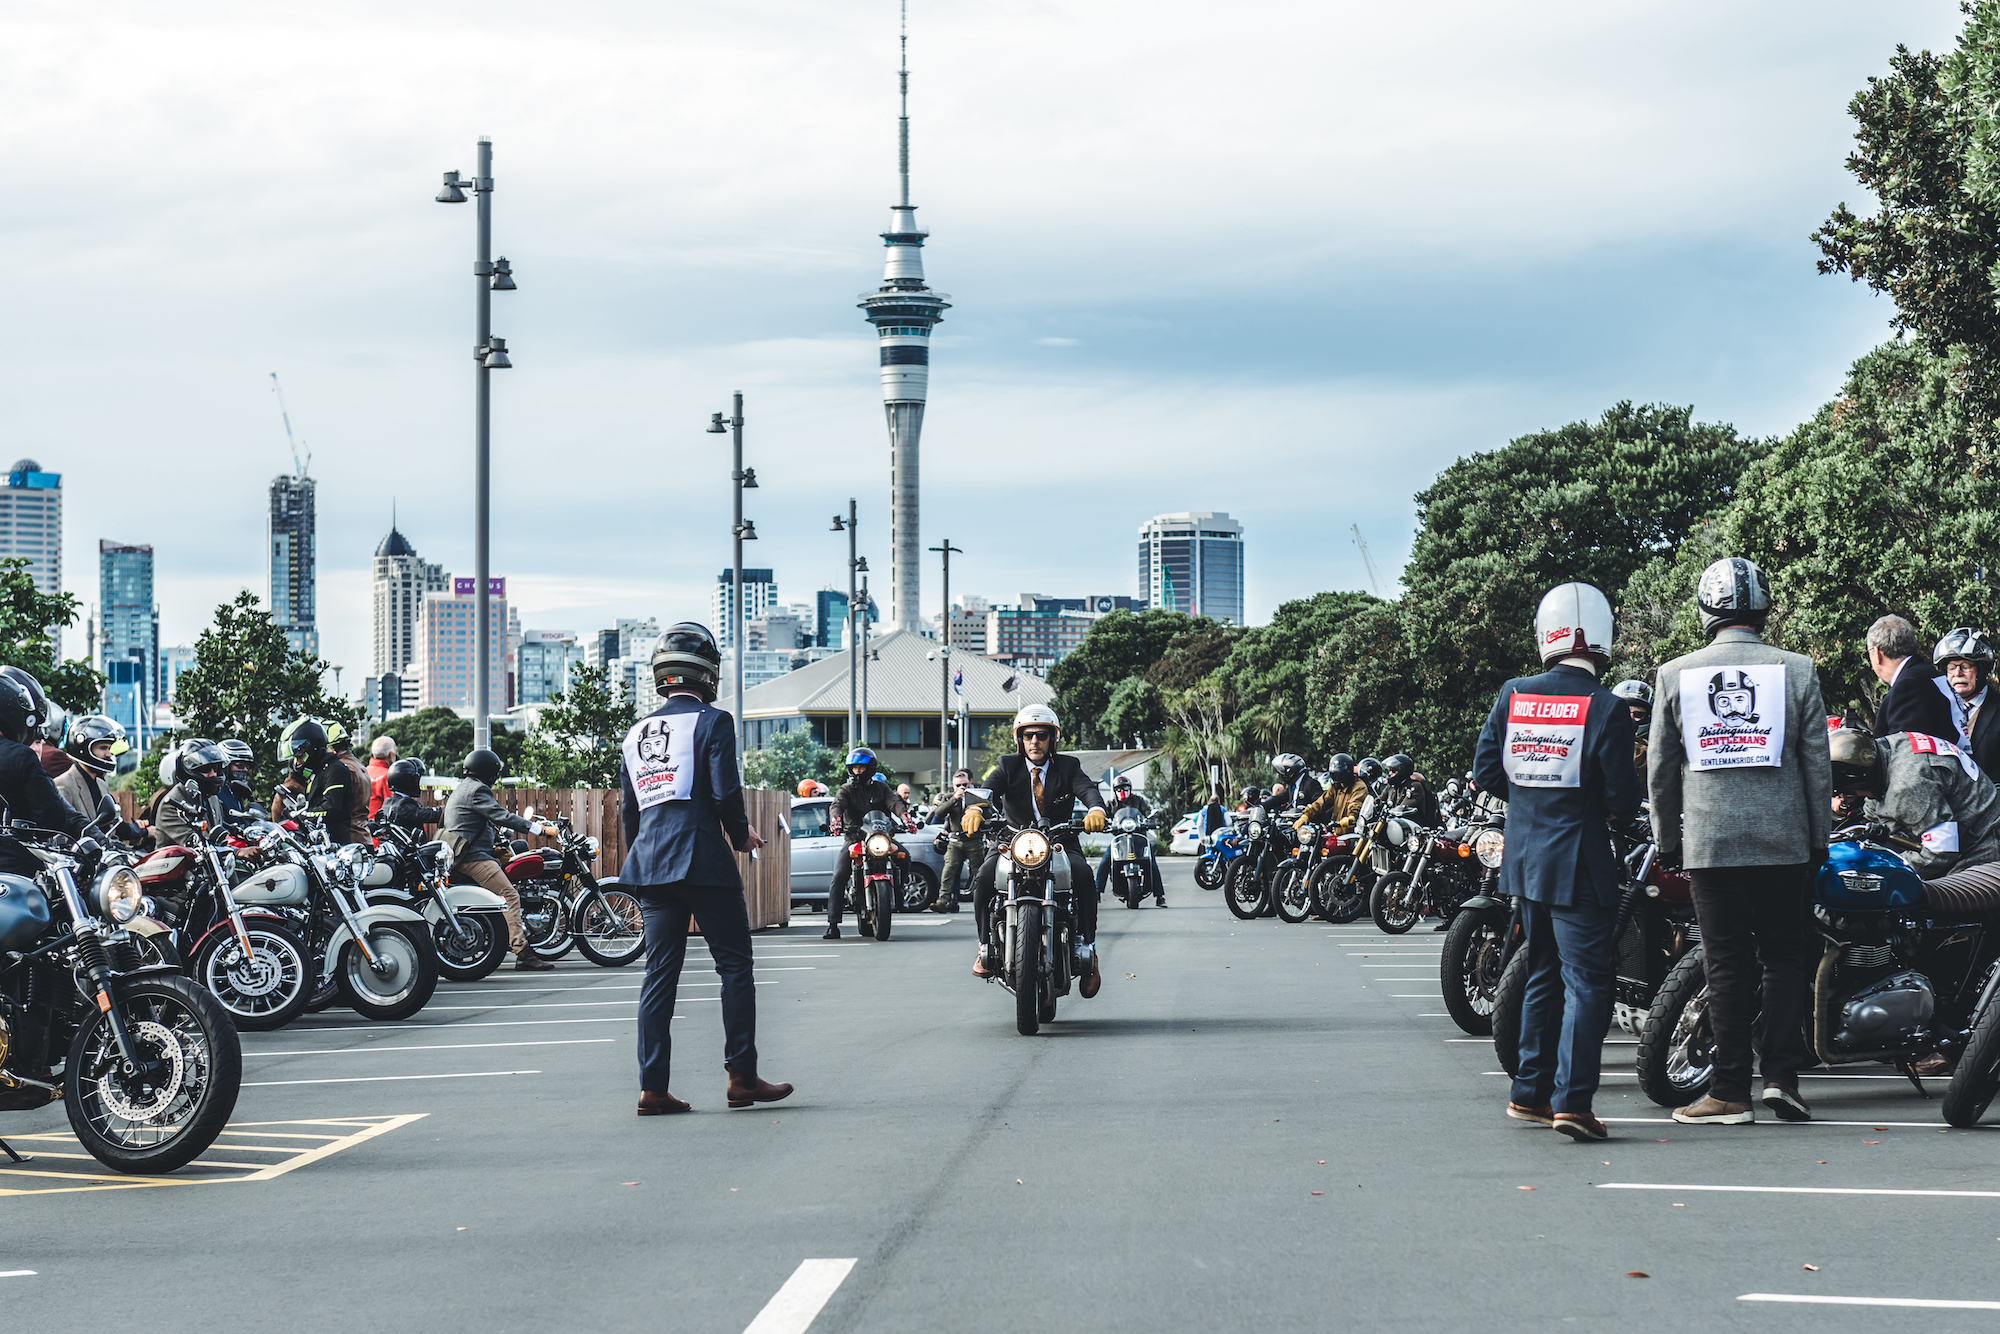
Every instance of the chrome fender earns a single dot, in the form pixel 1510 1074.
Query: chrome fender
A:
pixel 373 915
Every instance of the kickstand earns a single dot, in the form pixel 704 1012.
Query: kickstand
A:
pixel 1910 1072
pixel 8 1149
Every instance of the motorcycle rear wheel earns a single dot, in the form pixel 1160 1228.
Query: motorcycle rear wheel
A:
pixel 265 991
pixel 1243 892
pixel 610 928
pixel 483 950
pixel 1334 899
pixel 1470 970
pixel 1676 1053
pixel 402 991
pixel 1028 971
pixel 1507 1012
pixel 1394 905
pixel 175 1021
pixel 1294 899
pixel 1977 1078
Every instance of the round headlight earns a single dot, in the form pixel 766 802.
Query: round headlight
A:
pixel 118 894
pixel 1256 829
pixel 1489 847
pixel 1030 848
pixel 591 845
pixel 879 845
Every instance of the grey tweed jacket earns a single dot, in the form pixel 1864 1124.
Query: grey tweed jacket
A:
pixel 1741 817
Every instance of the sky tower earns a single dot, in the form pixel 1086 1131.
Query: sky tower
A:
pixel 903 310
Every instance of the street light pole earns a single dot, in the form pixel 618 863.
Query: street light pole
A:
pixel 945 548
pixel 864 661
pixel 855 564
pixel 743 479
pixel 488 354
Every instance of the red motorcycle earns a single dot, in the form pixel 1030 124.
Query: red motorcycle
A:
pixel 880 866
pixel 238 949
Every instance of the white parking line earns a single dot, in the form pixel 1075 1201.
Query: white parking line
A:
pixel 1932 1303
pixel 17 1273
pixel 793 1307
pixel 530 1005
pixel 1876 1125
pixel 1803 1190
pixel 1432 995
pixel 435 1046
pixel 1403 979
pixel 388 1079
pixel 461 1023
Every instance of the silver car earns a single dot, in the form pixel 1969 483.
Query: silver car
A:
pixel 816 851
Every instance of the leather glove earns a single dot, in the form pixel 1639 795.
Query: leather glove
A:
pixel 1093 820
pixel 972 820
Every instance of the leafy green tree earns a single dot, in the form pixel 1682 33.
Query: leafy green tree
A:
pixel 442 739
pixel 1135 712
pixel 248 682
pixel 1195 654
pixel 1267 666
pixel 576 741
pixel 1121 645
pixel 29 619
pixel 791 758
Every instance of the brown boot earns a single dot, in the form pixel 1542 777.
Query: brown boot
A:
pixel 1541 1115
pixel 660 1104
pixel 1091 980
pixel 1709 1110
pixel 1581 1126
pixel 527 961
pixel 745 1088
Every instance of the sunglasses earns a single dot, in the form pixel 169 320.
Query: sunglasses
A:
pixel 1036 734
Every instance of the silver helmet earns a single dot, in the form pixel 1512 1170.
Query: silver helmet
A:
pixel 1732 591
pixel 1964 643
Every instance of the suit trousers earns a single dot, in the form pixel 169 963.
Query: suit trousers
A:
pixel 954 860
pixel 1757 946
pixel 1566 1006
pixel 1083 896
pixel 725 928
pixel 488 874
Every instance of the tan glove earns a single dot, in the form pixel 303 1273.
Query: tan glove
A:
pixel 972 819
pixel 1093 820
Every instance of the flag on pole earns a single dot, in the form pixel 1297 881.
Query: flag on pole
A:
pixel 958 681
pixel 1012 683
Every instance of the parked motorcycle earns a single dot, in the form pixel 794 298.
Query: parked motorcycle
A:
pixel 1132 855
pixel 468 923
pixel 1225 845
pixel 564 904
pixel 1341 884
pixel 1247 890
pixel 1437 873
pixel 1036 921
pixel 147 1064
pixel 1291 885
pixel 1477 944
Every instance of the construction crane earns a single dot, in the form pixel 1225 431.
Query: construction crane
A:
pixel 299 465
pixel 1366 564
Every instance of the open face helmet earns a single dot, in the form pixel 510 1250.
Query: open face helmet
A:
pixel 1037 715
pixel 1635 693
pixel 1574 621
pixel 1965 644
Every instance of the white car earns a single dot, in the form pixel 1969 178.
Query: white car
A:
pixel 1183 841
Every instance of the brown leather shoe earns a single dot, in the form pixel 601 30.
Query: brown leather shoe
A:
pixel 979 968
pixel 1580 1126
pixel 745 1088
pixel 660 1104
pixel 1092 981
pixel 1709 1110
pixel 1543 1115
pixel 527 961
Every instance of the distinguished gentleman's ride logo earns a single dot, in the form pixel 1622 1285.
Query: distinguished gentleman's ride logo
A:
pixel 1732 707
pixel 1735 717
pixel 1545 739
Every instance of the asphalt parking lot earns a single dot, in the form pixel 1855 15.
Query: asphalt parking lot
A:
pixel 1254 1126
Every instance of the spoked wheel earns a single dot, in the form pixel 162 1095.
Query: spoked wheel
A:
pixel 1208 872
pixel 405 981
pixel 1977 1078
pixel 1470 970
pixel 546 926
pixel 1676 1054
pixel 475 948
pixel 1336 890
pixel 1294 899
pixel 610 928
pixel 1394 904
pixel 164 1115
pixel 1507 1011
pixel 265 989
pixel 1244 892
pixel 920 888
pixel 1027 970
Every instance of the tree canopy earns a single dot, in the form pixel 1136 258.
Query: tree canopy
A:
pixel 29 619
pixel 575 741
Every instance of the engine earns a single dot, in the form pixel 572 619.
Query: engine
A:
pixel 1886 1013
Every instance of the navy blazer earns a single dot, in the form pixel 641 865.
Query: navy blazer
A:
pixel 1918 703
pixel 1065 785
pixel 1986 736
pixel 1558 844
pixel 682 841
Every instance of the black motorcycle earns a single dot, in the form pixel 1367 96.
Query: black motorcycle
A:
pixel 468 923
pixel 1266 844
pixel 1132 855
pixel 1341 884
pixel 1291 889
pixel 1034 916
pixel 565 905
pixel 147 1064
pixel 1438 873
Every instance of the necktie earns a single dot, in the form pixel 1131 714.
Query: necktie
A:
pixel 1038 793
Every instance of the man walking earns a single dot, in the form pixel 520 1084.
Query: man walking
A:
pixel 1742 788
pixel 1558 749
pixel 682 795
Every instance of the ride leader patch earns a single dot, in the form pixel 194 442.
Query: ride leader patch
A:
pixel 1734 717
pixel 659 758
pixel 1545 740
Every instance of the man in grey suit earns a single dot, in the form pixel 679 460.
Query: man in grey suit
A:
pixel 682 797
pixel 1742 798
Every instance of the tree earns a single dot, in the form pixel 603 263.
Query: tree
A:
pixel 1268 665
pixel 575 742
pixel 1120 645
pixel 442 739
pixel 1194 654
pixel 791 758
pixel 247 682
pixel 29 619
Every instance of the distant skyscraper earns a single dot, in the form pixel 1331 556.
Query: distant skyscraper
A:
pixel 130 641
pixel 31 522
pixel 401 581
pixel 1193 563
pixel 830 619
pixel 636 638
pixel 448 647
pixel 289 543
pixel 600 648
pixel 545 658
pixel 760 595
pixel 904 310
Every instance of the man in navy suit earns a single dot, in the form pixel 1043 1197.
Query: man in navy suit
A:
pixel 684 822
pixel 1918 698
pixel 1558 748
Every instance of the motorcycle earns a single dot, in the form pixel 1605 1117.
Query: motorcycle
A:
pixel 1341 884
pixel 468 923
pixel 147 1064
pixel 1037 926
pixel 1247 890
pixel 1439 872
pixel 1479 940
pixel 879 869
pixel 1132 855
pixel 1219 849
pixel 564 904
pixel 1291 888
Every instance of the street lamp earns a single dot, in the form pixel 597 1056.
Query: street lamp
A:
pixel 488 354
pixel 945 548
pixel 743 531
pixel 854 565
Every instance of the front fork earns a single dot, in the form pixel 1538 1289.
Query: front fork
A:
pixel 96 961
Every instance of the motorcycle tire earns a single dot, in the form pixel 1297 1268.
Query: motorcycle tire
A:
pixel 1132 888
pixel 267 990
pixel 1243 893
pixel 1045 1010
pixel 1208 872
pixel 920 889
pixel 403 991
pixel 147 952
pixel 884 903
pixel 610 929
pixel 1977 1078
pixel 172 1018
pixel 1392 903
pixel 1469 971
pixel 1028 972
pixel 1507 1012
pixel 1676 1053
pixel 483 951
pixel 1294 900
pixel 1334 900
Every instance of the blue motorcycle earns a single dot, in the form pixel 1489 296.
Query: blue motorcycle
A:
pixel 1224 846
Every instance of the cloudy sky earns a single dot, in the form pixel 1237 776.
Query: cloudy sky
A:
pixel 1280 259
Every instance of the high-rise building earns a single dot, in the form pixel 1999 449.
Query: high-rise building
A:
pixel 1193 563
pixel 174 659
pixel 966 630
pixel 545 658
pixel 290 544
pixel 637 638
pixel 904 310
pixel 600 648
pixel 130 642
pixel 31 522
pixel 760 595
pixel 830 619
pixel 447 645
pixel 401 581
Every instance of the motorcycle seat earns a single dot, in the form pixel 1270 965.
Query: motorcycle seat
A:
pixel 1973 890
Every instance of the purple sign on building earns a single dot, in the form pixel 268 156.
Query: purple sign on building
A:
pixel 496 586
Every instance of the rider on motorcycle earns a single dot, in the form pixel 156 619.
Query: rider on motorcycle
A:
pixel 400 807
pixel 94 742
pixel 1122 796
pixel 1966 658
pixel 1301 788
pixel 1925 791
pixel 1340 804
pixel 25 790
pixel 859 795
pixel 1638 697
pixel 471 814
pixel 1408 789
pixel 197 767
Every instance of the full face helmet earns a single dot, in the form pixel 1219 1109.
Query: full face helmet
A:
pixel 1341 767
pixel 1857 762
pixel 1370 769
pixel 201 763
pixel 86 732
pixel 686 658
pixel 406 777
pixel 1732 591
pixel 1288 767
pixel 1399 768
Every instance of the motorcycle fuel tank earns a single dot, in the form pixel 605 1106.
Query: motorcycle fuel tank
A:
pixel 24 913
pixel 1858 878
pixel 284 885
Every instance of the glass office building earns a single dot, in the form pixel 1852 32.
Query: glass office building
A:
pixel 1193 563
pixel 31 522
pixel 289 544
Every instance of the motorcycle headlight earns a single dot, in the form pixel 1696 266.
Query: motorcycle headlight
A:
pixel 1256 829
pixel 590 845
pixel 118 894
pixel 1030 848
pixel 880 845
pixel 1489 847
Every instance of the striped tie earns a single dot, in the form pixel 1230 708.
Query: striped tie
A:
pixel 1038 793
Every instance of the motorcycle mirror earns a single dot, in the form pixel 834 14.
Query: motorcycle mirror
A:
pixel 978 796
pixel 528 814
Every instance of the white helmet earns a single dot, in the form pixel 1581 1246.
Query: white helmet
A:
pixel 1574 620
pixel 1036 715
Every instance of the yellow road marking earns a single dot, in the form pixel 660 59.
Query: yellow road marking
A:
pixel 358 1130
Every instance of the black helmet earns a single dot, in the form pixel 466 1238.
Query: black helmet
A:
pixel 38 702
pixel 1967 644
pixel 686 658
pixel 1635 692
pixel 1341 767
pixel 1732 591
pixel 302 747
pixel 1123 784
pixel 1288 767
pixel 86 732
pixel 406 777
pixel 1370 769
pixel 483 765
pixel 1856 761
pixel 202 763
pixel 1253 795
pixel 1399 768
pixel 16 709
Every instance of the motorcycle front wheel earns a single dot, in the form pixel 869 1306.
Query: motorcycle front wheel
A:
pixel 1208 872
pixel 1028 971
pixel 1676 1054
pixel 1977 1078
pixel 161 1121
pixel 1131 885
pixel 1335 887
pixel 1294 899
pixel 474 950
pixel 1243 892
pixel 265 990
pixel 883 895
pixel 1470 970
pixel 1394 904
pixel 610 928
pixel 1507 1012
pixel 405 983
